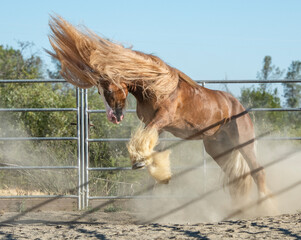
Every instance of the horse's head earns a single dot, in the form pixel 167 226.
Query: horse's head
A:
pixel 114 98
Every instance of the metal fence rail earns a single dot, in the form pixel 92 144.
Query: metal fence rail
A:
pixel 79 94
pixel 83 140
pixel 247 81
pixel 37 109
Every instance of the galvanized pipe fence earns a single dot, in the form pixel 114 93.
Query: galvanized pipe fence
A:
pixel 82 139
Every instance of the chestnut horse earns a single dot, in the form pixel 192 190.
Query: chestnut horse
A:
pixel 167 100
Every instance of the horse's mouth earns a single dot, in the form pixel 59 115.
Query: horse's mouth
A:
pixel 115 116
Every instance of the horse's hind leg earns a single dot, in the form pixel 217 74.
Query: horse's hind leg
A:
pixel 246 135
pixel 221 149
pixel 257 171
pixel 243 138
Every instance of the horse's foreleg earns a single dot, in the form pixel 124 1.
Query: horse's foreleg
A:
pixel 141 149
pixel 144 140
pixel 141 146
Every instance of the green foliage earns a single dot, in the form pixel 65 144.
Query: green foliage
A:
pixel 292 94
pixel 13 65
pixel 285 123
pixel 292 91
pixel 264 97
pixel 55 74
pixel 259 98
pixel 268 72
pixel 40 96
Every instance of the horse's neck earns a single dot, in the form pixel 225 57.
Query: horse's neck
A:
pixel 145 106
pixel 136 92
pixel 141 96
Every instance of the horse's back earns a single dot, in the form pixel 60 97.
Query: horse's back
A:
pixel 199 108
pixel 210 105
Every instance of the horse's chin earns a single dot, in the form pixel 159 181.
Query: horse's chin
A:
pixel 115 121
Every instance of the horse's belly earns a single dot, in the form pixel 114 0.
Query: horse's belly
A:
pixel 192 134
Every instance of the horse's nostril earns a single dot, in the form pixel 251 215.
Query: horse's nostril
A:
pixel 119 118
pixel 118 113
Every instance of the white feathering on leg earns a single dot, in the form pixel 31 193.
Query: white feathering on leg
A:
pixel 141 149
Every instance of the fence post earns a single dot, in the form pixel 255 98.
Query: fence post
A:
pixel 86 148
pixel 82 149
pixel 204 162
pixel 78 132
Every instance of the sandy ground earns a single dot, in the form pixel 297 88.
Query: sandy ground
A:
pixel 185 211
pixel 124 225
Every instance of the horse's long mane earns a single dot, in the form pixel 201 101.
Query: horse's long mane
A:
pixel 87 59
pixel 186 79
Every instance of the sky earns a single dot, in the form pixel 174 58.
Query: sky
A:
pixel 207 40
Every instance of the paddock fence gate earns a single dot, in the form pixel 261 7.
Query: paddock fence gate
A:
pixel 82 139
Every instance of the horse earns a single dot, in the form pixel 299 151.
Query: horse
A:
pixel 167 100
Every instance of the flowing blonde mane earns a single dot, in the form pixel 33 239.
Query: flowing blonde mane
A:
pixel 87 59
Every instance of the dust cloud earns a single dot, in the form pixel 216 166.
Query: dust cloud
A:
pixel 33 154
pixel 198 195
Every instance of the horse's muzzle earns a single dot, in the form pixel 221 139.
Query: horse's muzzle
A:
pixel 118 112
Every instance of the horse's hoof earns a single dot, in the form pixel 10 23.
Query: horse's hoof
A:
pixel 138 165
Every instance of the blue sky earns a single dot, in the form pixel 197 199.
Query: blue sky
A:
pixel 204 39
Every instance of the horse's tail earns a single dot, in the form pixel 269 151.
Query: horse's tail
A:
pixel 237 175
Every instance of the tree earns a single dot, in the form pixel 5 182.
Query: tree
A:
pixel 55 74
pixel 258 98
pixel 13 64
pixel 268 72
pixel 292 94
pixel 264 96
pixel 292 91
